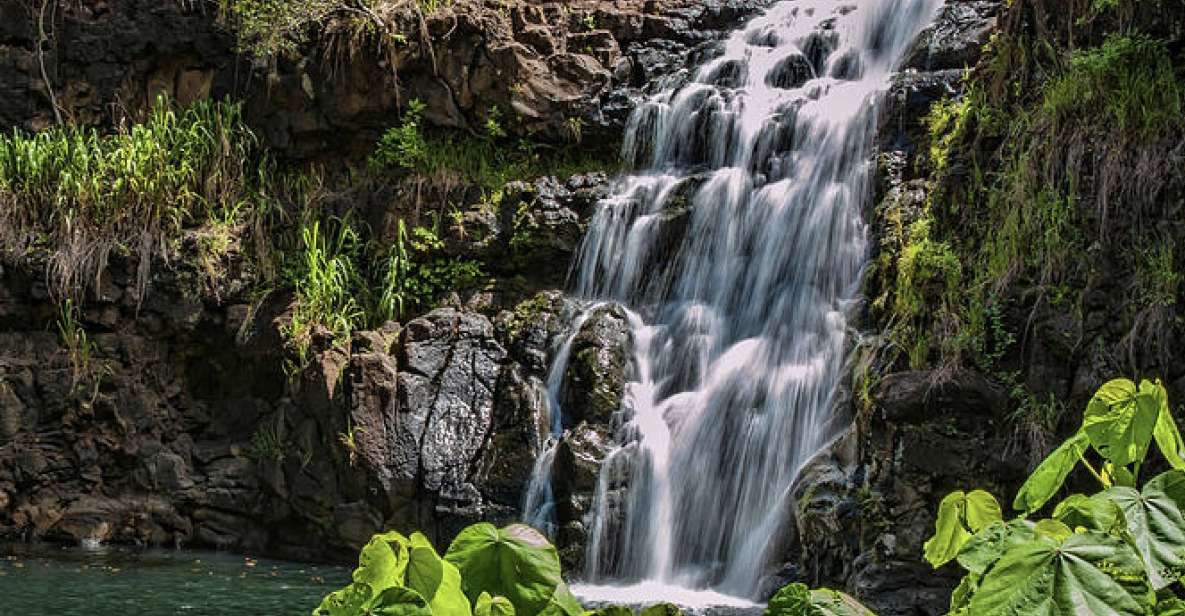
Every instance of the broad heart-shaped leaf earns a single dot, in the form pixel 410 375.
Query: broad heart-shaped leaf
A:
pixel 1087 574
pixel 383 562
pixel 959 515
pixel 1049 476
pixel 1090 512
pixel 436 580
pixel 1120 419
pixel 982 509
pixel 397 601
pixel 798 600
pixel 991 543
pixel 516 562
pixel 349 601
pixel 425 569
pixel 1168 437
pixel 949 533
pixel 499 606
pixel 1157 524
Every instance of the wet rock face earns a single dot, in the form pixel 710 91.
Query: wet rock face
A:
pixel 598 368
pixel 191 433
pixel 957 37
pixel 450 366
pixel 866 506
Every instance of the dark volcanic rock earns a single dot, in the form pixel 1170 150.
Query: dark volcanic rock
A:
pixel 597 368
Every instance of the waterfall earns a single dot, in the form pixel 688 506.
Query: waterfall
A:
pixel 764 156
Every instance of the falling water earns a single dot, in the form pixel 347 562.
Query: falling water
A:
pixel 761 164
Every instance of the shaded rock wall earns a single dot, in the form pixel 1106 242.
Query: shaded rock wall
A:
pixel 547 67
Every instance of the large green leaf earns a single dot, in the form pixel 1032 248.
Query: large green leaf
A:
pixel 563 603
pixel 1087 574
pixel 349 601
pixel 495 606
pixel 991 543
pixel 1157 524
pixel 961 597
pixel 949 533
pixel 1120 419
pixel 516 562
pixel 959 515
pixel 397 601
pixel 437 580
pixel 661 609
pixel 798 600
pixel 1049 476
pixel 1090 512
pixel 982 509
pixel 1168 437
pixel 1171 606
pixel 383 562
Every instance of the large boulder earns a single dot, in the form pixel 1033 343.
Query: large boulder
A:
pixel 599 366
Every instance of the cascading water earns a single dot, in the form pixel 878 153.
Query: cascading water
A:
pixel 762 161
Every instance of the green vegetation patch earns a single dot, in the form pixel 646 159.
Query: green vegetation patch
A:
pixel 488 159
pixel 1130 80
pixel 81 194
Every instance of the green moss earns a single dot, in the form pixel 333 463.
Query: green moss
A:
pixel 1129 80
pixel 947 123
pixel 487 160
pixel 1158 281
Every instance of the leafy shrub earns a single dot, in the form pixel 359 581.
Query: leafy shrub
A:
pixel 516 562
pixel 326 279
pixel 81 195
pixel 488 160
pixel 1130 78
pixel 399 575
pixel 1115 552
pixel 487 571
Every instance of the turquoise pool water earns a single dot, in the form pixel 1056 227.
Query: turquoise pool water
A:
pixel 53 581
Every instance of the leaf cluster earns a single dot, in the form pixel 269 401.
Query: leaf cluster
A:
pixel 1119 551
pixel 487 571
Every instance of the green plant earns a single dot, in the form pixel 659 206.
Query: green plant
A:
pixel 349 440
pixel 798 600
pixel 268 28
pixel 325 277
pixel 486 160
pixel 516 562
pixel 79 195
pixel 1158 282
pixel 266 443
pixel 399 575
pixel 486 571
pixel 1130 78
pixel 1115 552
pixel 80 349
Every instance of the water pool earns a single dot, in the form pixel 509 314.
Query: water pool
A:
pixel 46 580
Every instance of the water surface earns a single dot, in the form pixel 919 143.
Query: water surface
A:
pixel 40 580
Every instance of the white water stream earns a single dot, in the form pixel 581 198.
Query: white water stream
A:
pixel 766 156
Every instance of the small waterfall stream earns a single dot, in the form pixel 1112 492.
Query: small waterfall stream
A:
pixel 764 156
